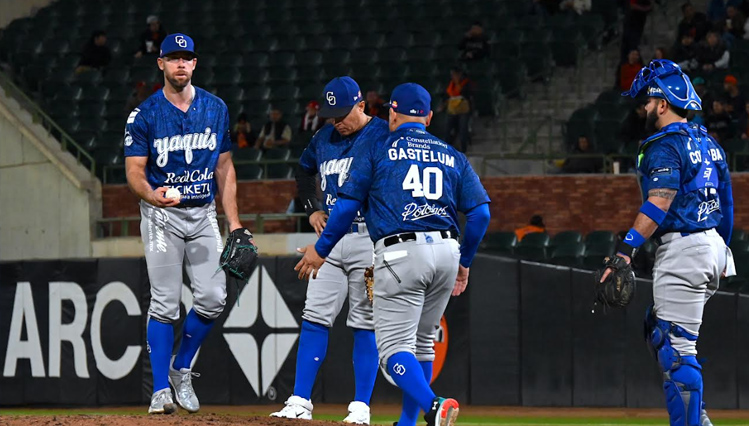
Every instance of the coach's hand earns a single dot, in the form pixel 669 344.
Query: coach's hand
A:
pixel 311 262
pixel 318 220
pixel 157 198
pixel 461 281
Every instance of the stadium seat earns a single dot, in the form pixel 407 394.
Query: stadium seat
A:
pixel 565 238
pixel 569 254
pixel 279 171
pixel 566 53
pixel 364 56
pixel 277 154
pixel 580 124
pixel 248 171
pixel 246 155
pixel 607 135
pixel 499 242
pixel 533 246
pixel 596 239
pixel 230 93
pixel 594 254
pixel 284 93
pixel 256 93
pixel 738 234
pixel 69 93
pixel 738 246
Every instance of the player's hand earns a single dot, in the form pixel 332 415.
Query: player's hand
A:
pixel 461 281
pixel 311 262
pixel 318 220
pixel 157 198
pixel 607 272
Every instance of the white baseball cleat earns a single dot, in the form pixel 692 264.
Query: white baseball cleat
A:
pixel 162 402
pixel 181 381
pixel 295 407
pixel 358 413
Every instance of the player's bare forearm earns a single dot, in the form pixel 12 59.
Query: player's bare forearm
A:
pixel 135 170
pixel 226 178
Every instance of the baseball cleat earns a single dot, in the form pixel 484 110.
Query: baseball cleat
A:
pixel 295 407
pixel 181 381
pixel 358 413
pixel 444 412
pixel 162 402
pixel 704 419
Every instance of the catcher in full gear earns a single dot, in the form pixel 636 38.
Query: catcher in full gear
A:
pixel 688 211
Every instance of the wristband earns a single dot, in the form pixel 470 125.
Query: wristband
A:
pixel 653 212
pixel 631 242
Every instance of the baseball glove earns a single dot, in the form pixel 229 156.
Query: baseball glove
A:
pixel 619 288
pixel 240 254
pixel 369 283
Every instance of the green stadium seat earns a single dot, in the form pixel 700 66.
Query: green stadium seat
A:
pixel 594 254
pixel 113 138
pixel 95 93
pixel 256 59
pixel 566 53
pixel 566 237
pixel 399 39
pixel 86 139
pixel 281 76
pixel 284 93
pixel 310 75
pixel 569 254
pixel 309 58
pixel 739 234
pixel 734 145
pixel 393 55
pixel 148 75
pixel 426 39
pixel 337 57
pixel 739 246
pixel 533 246
pixel 364 56
pixel 599 239
pixel 580 124
pixel 607 135
pixel 203 77
pixel 87 78
pixel 277 154
pixel 256 93
pixel 246 155
pixel 69 93
pixel 227 76
pixel 310 92
pixel 499 242
pixel 230 94
pixel 248 171
pixel 225 60
pixel 281 59
pixel 279 171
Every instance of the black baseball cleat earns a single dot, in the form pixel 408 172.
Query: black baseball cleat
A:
pixel 444 412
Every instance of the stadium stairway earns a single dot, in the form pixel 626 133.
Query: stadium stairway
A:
pixel 541 115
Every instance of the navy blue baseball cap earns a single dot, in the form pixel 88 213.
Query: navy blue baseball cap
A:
pixel 340 96
pixel 177 42
pixel 410 99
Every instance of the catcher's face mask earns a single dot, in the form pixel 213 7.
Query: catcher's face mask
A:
pixel 665 79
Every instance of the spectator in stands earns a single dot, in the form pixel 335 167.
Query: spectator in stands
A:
pixel 735 22
pixel 718 122
pixel 684 52
pixel 634 24
pixel 150 40
pixel 692 23
pixel 374 106
pixel 95 54
pixel 660 53
pixel 536 225
pixel 141 93
pixel 311 122
pixel 475 44
pixel 711 53
pixel 240 133
pixel 275 133
pixel 705 94
pixel 743 124
pixel 628 70
pixel 459 105
pixel 736 99
pixel 633 130
pixel 582 164
pixel 577 6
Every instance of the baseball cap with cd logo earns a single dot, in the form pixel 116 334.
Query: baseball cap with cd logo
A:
pixel 177 42
pixel 410 99
pixel 339 97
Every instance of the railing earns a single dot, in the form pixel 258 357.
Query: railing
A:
pixel 109 171
pixel 120 226
pixel 39 116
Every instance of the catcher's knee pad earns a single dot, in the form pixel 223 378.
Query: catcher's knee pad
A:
pixel 682 375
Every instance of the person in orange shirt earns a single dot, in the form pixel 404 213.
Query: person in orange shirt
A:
pixel 628 70
pixel 536 225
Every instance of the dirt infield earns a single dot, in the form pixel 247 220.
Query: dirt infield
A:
pixel 178 420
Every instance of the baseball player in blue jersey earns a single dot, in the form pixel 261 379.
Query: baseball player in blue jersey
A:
pixel 688 209
pixel 331 153
pixel 410 188
pixel 177 159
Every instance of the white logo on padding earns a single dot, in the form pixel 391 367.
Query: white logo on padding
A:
pixel 260 363
pixel 399 369
pixel 330 96
pixel 181 42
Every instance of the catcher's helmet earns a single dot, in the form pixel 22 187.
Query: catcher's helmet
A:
pixel 665 79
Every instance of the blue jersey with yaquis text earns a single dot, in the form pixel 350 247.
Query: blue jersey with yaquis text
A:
pixel 413 182
pixel 182 147
pixel 332 155
pixel 684 157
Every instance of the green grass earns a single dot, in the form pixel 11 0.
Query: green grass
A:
pixel 388 420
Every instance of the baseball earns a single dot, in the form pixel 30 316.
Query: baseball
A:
pixel 173 193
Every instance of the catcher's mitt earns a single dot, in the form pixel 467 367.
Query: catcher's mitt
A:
pixel 240 254
pixel 369 282
pixel 619 288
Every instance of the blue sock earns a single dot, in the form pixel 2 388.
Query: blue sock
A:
pixel 410 411
pixel 194 331
pixel 409 376
pixel 160 337
pixel 366 362
pixel 313 345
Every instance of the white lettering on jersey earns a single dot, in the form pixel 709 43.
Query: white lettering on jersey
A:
pixel 187 143
pixel 131 117
pixel 413 211
pixel 421 155
pixel 705 208
pixel 695 157
pixel 715 153
pixel 338 167
pixel 189 176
